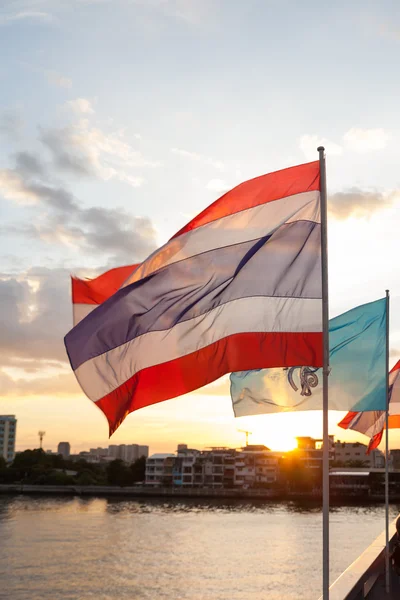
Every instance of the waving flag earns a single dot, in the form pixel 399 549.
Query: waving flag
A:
pixel 239 287
pixel 87 294
pixel 372 423
pixel 357 341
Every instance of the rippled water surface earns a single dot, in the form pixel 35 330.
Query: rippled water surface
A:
pixel 62 548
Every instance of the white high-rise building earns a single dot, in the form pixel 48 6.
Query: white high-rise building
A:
pixel 129 453
pixel 113 451
pixel 8 431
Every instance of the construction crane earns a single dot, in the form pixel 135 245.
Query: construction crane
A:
pixel 247 434
pixel 41 435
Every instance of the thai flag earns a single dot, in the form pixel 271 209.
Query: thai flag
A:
pixel 237 288
pixel 372 423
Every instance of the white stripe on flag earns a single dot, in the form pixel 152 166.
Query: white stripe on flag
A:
pixel 249 224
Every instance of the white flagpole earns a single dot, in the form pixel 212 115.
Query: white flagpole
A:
pixel 387 556
pixel 325 404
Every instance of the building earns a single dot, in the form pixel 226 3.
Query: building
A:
pixel 129 453
pixel 8 431
pixel 349 482
pixel 113 451
pixel 355 453
pixel 256 466
pixel 395 459
pixel 159 469
pixel 99 452
pixel 309 451
pixel 143 451
pixel 64 449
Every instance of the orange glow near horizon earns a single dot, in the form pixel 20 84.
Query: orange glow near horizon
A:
pixel 280 442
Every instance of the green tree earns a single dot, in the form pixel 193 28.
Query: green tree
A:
pixel 86 477
pixel 118 473
pixel 138 470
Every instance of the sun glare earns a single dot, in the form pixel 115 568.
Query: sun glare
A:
pixel 279 431
pixel 279 441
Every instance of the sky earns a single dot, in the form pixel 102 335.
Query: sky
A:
pixel 122 119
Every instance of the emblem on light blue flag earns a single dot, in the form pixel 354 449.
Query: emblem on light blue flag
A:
pixel 357 381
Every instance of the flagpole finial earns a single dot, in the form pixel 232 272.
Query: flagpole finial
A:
pixel 320 149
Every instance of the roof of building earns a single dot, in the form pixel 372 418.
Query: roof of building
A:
pixel 256 448
pixel 339 444
pixel 162 455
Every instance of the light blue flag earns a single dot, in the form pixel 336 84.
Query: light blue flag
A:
pixel 357 379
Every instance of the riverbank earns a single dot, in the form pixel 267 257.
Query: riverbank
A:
pixel 175 492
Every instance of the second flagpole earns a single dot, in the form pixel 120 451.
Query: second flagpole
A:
pixel 387 555
pixel 325 404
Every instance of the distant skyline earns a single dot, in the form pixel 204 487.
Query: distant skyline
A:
pixel 122 119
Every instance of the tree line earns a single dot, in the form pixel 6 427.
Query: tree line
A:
pixel 35 467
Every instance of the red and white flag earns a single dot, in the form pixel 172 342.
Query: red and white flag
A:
pixel 237 288
pixel 87 294
pixel 372 423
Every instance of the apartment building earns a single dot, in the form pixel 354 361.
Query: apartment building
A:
pixel 215 468
pixel 159 469
pixel 256 465
pixel 352 452
pixel 8 432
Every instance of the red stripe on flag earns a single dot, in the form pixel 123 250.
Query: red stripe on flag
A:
pixel 374 442
pixel 99 289
pixel 267 188
pixel 396 367
pixel 346 421
pixel 239 352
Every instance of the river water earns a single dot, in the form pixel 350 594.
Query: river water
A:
pixel 81 549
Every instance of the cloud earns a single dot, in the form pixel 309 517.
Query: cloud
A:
pixel 16 186
pixel 366 140
pixel 84 150
pixel 359 203
pixel 309 143
pixel 35 316
pixel 81 106
pixel 217 185
pixel 198 158
pixel 108 232
pixel 61 219
pixel 29 164
pixel 60 384
pixel 10 123
pixel 58 80
pixel 24 15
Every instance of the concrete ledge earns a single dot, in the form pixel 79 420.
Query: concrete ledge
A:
pixel 357 581
pixel 138 491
